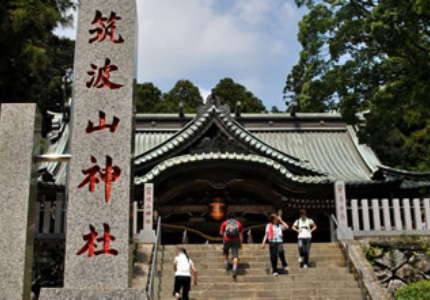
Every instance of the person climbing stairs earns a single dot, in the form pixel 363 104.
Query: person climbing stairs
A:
pixel 326 278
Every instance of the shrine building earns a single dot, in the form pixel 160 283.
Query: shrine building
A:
pixel 217 161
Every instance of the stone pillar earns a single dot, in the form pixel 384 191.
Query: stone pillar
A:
pixel 19 134
pixel 407 214
pixel 397 215
pixel 343 232
pixel 376 215
pixel 417 214
pixel 147 235
pixel 97 262
pixel 427 213
pixel 355 219
pixel 340 199
pixel 365 214
pixel 386 214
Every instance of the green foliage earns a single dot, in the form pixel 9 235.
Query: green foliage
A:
pixel 415 291
pixel 360 55
pixel 33 60
pixel 275 110
pixel 147 96
pixel 184 92
pixel 372 253
pixel 231 92
pixel 149 99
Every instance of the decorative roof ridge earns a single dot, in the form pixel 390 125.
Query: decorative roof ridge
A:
pixel 240 132
pixel 253 130
pixel 404 174
pixel 180 137
pixel 253 158
pixel 245 115
pixel 207 112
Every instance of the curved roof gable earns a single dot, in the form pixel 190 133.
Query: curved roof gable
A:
pixel 211 114
pixel 250 158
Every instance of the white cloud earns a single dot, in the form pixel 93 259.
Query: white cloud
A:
pixel 182 38
pixel 185 37
pixel 252 41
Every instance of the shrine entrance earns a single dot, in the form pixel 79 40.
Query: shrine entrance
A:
pixel 213 166
pixel 194 199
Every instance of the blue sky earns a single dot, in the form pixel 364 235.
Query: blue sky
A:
pixel 252 41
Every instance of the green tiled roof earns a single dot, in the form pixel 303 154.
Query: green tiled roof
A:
pixel 195 127
pixel 216 157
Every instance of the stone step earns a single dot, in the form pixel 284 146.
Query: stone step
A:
pixel 268 278
pixel 284 298
pixel 327 278
pixel 265 252
pixel 322 292
pixel 275 284
pixel 263 265
pixel 193 247
pixel 168 271
pixel 248 259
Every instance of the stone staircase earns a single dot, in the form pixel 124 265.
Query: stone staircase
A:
pixel 327 277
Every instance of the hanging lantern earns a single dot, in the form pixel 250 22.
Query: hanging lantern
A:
pixel 217 209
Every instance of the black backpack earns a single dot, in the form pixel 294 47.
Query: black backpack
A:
pixel 232 229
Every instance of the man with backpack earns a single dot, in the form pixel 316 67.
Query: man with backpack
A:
pixel 232 231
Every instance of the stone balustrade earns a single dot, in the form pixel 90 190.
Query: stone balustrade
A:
pixel 373 217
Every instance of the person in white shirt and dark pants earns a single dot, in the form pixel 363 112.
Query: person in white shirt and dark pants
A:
pixel 182 266
pixel 304 226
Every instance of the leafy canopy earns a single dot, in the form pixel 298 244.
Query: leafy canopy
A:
pixel 33 60
pixel 184 92
pixel 369 55
pixel 231 92
pixel 147 97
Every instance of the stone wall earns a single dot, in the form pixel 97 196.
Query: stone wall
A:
pixel 399 261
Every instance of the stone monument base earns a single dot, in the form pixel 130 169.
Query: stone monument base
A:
pixel 99 294
pixel 344 232
pixel 146 236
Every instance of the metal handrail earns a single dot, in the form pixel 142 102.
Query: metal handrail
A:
pixel 154 266
pixel 363 276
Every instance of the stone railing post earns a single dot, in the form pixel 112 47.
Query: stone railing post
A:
pixel 19 135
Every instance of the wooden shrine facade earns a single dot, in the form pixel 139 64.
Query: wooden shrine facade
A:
pixel 216 161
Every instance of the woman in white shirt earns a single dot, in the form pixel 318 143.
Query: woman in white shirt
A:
pixel 304 227
pixel 182 266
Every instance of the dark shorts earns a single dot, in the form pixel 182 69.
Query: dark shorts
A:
pixel 184 283
pixel 234 246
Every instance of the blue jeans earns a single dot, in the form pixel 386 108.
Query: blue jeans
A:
pixel 304 248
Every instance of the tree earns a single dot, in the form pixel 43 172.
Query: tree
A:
pixel 275 110
pixel 147 97
pixel 369 55
pixel 184 92
pixel 33 61
pixel 231 92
